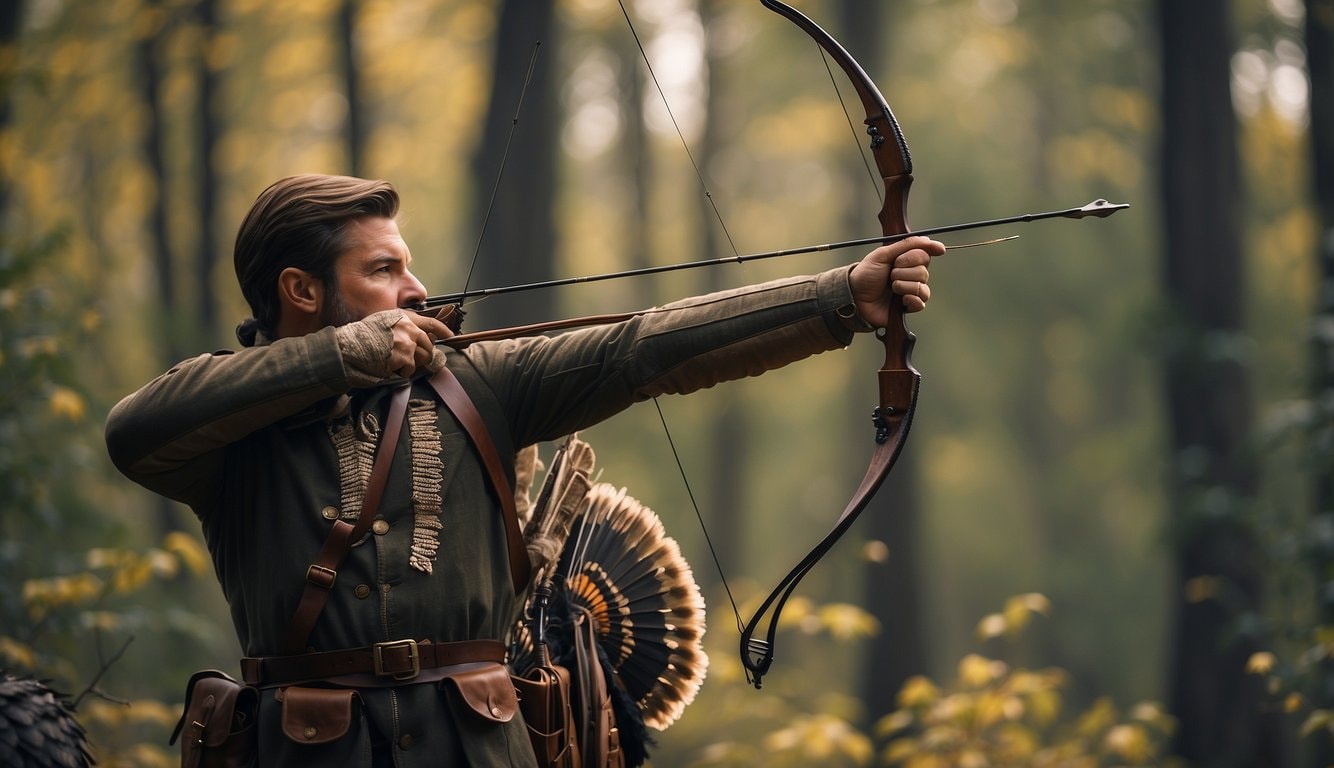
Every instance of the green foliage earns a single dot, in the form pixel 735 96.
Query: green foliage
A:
pixel 99 600
pixel 994 714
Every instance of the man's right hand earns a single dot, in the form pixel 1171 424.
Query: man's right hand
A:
pixel 390 344
pixel 415 335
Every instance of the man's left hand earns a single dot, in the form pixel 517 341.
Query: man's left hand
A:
pixel 898 268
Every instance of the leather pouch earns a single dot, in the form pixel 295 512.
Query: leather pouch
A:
pixel 487 691
pixel 544 699
pixel 218 724
pixel 316 715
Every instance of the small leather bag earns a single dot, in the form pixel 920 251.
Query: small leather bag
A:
pixel 544 698
pixel 486 691
pixel 316 715
pixel 218 726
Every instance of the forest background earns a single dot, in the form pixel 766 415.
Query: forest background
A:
pixel 1109 537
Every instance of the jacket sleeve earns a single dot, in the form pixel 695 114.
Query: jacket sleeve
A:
pixel 550 387
pixel 167 435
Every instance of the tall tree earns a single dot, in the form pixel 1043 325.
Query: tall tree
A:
pixel 728 446
pixel 10 15
pixel 149 72
pixel 1218 569
pixel 893 517
pixel 638 159
pixel 356 118
pixel 519 238
pixel 208 131
pixel 1320 64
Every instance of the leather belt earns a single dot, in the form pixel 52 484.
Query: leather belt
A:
pixel 391 663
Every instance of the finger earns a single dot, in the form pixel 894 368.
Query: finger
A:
pixel 431 326
pixel 917 274
pixel 918 250
pixel 912 289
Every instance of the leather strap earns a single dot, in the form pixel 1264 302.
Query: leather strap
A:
pixel 396 662
pixel 321 574
pixel 447 385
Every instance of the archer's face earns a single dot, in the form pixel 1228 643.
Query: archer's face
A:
pixel 372 273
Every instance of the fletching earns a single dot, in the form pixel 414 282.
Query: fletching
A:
pixel 608 553
pixel 620 564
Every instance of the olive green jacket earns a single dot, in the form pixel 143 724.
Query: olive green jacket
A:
pixel 268 444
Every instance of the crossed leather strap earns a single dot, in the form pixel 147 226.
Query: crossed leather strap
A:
pixel 322 573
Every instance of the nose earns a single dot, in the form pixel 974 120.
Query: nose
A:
pixel 413 292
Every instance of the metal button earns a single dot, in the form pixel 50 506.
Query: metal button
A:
pixel 381 527
pixel 362 591
pixel 405 741
pixel 496 710
pixel 330 513
pixel 310 732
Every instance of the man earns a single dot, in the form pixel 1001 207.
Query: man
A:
pixel 271 444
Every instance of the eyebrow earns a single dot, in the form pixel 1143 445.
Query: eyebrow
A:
pixel 386 259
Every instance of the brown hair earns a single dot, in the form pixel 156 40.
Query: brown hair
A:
pixel 299 222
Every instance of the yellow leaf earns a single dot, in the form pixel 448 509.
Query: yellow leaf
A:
pixel 1016 615
pixel 918 692
pixel 1098 717
pixel 1293 702
pixel 65 403
pixel 892 723
pixel 1035 602
pixel 899 750
pixel 163 564
pixel 1320 719
pixel 189 550
pixel 991 626
pixel 1045 706
pixel 1130 742
pixel 976 671
pixel 798 608
pixel 875 551
pixel 848 622
pixel 131 577
pixel 17 653
pixel 1260 663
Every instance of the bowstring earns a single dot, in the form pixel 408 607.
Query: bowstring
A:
pixel 713 204
pixel 504 158
pixel 856 138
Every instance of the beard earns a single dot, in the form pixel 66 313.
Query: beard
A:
pixel 336 312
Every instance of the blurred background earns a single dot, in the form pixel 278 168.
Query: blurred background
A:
pixel 1109 539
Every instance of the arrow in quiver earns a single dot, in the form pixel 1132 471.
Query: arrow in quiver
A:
pixel 617 569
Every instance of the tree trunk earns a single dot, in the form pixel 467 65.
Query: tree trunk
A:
pixel 1320 64
pixel 207 246
pixel 518 240
pixel 149 69
pixel 1219 580
pixel 356 120
pixel 728 445
pixel 637 157
pixel 11 14
pixel 892 517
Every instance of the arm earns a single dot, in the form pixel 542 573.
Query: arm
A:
pixel 167 435
pixel 549 387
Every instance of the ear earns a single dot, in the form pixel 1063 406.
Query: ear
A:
pixel 300 295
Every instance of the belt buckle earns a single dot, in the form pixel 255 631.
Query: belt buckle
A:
pixel 414 656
